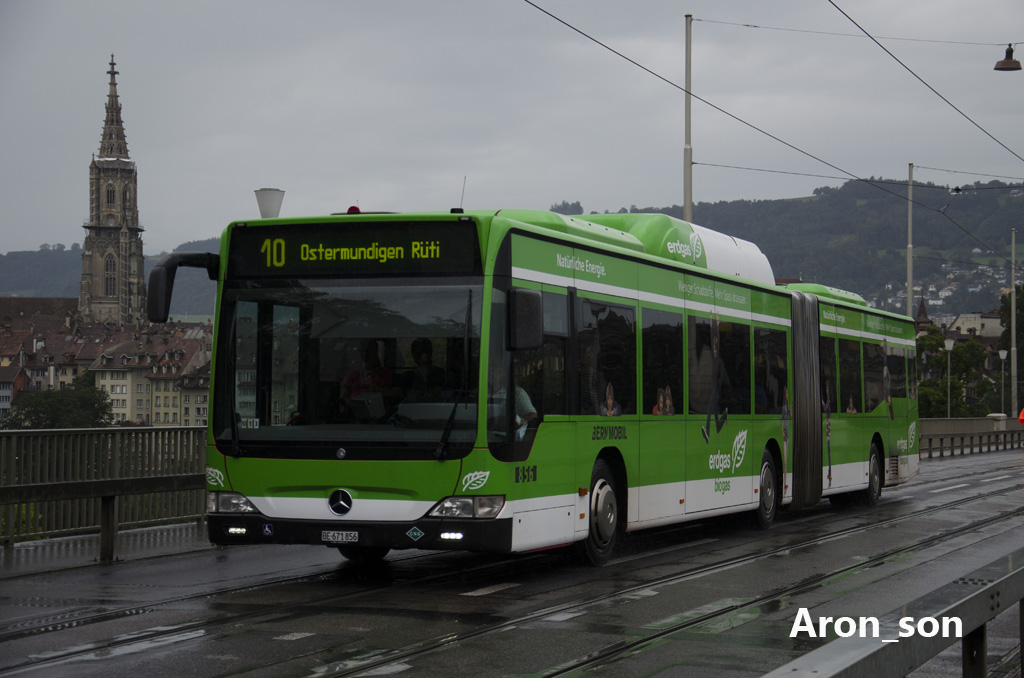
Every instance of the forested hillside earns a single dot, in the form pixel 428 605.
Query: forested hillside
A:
pixel 853 237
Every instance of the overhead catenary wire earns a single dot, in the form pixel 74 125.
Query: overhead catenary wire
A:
pixel 888 182
pixel 855 35
pixel 773 137
pixel 923 82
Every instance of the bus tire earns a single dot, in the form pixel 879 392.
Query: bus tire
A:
pixel 768 493
pixel 363 555
pixel 603 534
pixel 873 493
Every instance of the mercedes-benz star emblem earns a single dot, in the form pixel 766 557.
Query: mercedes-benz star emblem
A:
pixel 340 502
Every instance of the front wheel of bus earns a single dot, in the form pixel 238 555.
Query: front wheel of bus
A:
pixel 769 490
pixel 604 516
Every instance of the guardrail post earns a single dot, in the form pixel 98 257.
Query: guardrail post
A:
pixel 108 528
pixel 974 653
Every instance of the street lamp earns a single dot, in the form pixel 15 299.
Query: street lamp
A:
pixel 1009 63
pixel 687 145
pixel 1002 381
pixel 949 354
pixel 269 201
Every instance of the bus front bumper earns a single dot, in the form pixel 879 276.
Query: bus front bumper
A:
pixel 464 534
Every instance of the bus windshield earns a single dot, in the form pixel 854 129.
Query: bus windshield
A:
pixel 374 368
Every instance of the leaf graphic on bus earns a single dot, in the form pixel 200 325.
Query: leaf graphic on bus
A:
pixel 739 449
pixel 912 435
pixel 696 245
pixel 475 480
pixel 214 476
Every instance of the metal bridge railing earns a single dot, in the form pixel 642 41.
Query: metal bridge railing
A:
pixel 73 481
pixel 974 600
pixel 951 444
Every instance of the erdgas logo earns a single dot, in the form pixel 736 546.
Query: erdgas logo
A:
pixel 692 249
pixel 696 245
pixel 681 248
pixel 724 463
pixel 475 480
pixel 720 462
pixel 739 449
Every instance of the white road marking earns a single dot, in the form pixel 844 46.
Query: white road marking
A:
pixel 951 487
pixel 489 590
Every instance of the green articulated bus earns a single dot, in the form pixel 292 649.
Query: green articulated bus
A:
pixel 520 380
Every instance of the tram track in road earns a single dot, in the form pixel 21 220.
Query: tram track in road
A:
pixel 382 663
pixel 370 583
pixel 485 573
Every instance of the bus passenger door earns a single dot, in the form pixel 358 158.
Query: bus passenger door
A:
pixel 720 466
pixel 662 469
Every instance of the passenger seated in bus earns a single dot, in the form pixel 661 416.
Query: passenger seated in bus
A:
pixel 523 411
pixel 610 408
pixel 664 404
pixel 426 381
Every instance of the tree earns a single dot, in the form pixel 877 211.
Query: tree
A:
pixel 966 365
pixel 568 208
pixel 81 405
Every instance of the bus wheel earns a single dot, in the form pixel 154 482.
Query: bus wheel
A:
pixel 769 491
pixel 604 516
pixel 874 491
pixel 363 555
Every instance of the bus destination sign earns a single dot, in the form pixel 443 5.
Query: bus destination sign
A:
pixel 355 248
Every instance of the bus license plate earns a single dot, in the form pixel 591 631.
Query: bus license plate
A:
pixel 335 537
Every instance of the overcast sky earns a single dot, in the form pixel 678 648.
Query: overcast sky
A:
pixel 393 105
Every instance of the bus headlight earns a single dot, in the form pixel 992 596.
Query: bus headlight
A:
pixel 488 506
pixel 228 502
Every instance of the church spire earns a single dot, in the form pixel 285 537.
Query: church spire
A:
pixel 113 143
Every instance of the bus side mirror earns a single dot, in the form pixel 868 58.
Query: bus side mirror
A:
pixel 526 320
pixel 161 280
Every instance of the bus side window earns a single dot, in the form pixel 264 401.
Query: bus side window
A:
pixel 556 333
pixel 874 376
pixel 770 370
pixel 735 338
pixel 662 339
pixel 912 368
pixel 896 361
pixel 700 363
pixel 607 369
pixel 827 359
pixel 541 372
pixel 851 397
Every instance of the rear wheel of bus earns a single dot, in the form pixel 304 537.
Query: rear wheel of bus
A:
pixel 873 492
pixel 768 492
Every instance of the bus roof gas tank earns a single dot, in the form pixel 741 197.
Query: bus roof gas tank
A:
pixel 678 240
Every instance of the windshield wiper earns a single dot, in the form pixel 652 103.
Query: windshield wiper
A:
pixel 441 453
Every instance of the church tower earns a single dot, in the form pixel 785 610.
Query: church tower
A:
pixel 113 284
